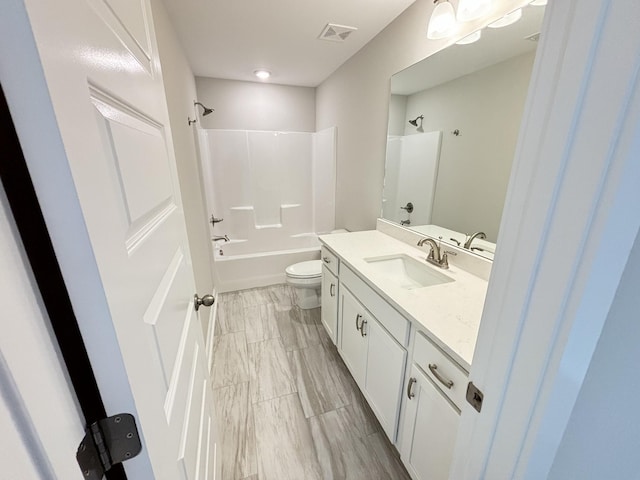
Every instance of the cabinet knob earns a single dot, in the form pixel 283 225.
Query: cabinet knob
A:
pixel 410 393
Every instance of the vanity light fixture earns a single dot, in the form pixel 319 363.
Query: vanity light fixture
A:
pixel 474 37
pixel 262 74
pixel 507 20
pixel 442 21
pixel 472 9
pixel 538 3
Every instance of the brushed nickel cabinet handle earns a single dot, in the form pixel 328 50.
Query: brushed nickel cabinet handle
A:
pixel 326 259
pixel 362 332
pixel 332 290
pixel 434 369
pixel 410 394
pixel 358 317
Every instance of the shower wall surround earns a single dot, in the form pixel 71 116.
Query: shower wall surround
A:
pixel 274 190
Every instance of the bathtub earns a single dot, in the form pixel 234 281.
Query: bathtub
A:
pixel 237 266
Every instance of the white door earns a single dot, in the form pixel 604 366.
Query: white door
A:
pixel 101 66
pixel 384 375
pixel 353 345
pixel 330 303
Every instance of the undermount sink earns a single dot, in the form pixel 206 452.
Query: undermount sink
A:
pixel 407 272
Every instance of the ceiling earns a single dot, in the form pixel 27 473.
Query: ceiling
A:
pixel 232 38
pixel 496 45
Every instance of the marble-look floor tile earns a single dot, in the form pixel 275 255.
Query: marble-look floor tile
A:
pixel 387 456
pixel 260 323
pixel 256 296
pixel 342 453
pixel 364 418
pixel 270 372
pixel 230 316
pixel 252 477
pixel 320 385
pixel 297 329
pixel 285 447
pixel 281 295
pixel 230 360
pixel 236 434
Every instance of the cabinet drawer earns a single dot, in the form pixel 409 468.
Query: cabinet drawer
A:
pixel 426 354
pixel 329 260
pixel 390 318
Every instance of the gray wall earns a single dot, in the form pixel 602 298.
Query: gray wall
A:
pixel 257 106
pixel 180 91
pixel 602 439
pixel 355 98
pixel 486 106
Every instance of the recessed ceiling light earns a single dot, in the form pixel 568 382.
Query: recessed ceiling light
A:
pixel 508 19
pixel 262 74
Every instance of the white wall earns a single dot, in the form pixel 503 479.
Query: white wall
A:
pixel 486 106
pixel 180 91
pixel 601 439
pixel 355 98
pixel 257 106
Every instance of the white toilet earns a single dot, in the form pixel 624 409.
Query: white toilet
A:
pixel 306 280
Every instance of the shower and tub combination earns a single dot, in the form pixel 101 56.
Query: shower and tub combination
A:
pixel 275 192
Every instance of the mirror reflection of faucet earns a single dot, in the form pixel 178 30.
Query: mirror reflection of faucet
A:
pixel 471 238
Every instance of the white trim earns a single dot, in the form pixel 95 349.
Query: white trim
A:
pixel 567 231
pixel 211 327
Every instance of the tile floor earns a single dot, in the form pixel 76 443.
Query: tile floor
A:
pixel 286 405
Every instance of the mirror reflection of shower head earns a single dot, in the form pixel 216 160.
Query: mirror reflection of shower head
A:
pixel 415 121
pixel 205 110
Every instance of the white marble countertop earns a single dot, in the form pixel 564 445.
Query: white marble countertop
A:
pixel 449 313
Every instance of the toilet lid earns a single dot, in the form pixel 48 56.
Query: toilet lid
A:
pixel 312 268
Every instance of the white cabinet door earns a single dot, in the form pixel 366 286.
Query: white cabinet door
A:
pixel 330 303
pixel 384 374
pixel 430 426
pixel 353 345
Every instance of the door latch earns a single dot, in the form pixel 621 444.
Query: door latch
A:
pixel 474 396
pixel 107 442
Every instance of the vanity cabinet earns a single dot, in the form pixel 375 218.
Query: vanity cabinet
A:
pixel 329 312
pixel 374 358
pixel 429 430
pixel 435 390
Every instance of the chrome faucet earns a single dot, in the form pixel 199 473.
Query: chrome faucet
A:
pixel 471 238
pixel 225 238
pixel 434 255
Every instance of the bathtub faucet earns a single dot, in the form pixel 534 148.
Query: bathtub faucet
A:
pixel 225 238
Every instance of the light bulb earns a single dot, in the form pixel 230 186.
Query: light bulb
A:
pixel 474 37
pixel 508 19
pixel 472 9
pixel 442 22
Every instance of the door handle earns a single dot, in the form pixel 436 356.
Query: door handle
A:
pixel 410 394
pixel 362 332
pixel 206 300
pixel 434 369
pixel 331 290
pixel 358 317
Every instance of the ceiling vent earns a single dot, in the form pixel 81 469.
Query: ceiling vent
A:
pixel 336 33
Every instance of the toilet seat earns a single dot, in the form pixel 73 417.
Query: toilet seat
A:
pixel 302 270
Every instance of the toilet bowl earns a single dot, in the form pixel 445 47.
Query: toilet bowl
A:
pixel 306 280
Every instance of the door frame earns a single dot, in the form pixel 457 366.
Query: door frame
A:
pixel 567 231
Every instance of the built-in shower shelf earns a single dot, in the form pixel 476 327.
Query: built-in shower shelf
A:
pixel 274 225
pixel 290 205
pixel 247 207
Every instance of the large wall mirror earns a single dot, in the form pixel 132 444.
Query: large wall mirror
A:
pixel 454 120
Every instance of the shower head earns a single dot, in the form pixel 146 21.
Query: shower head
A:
pixel 205 110
pixel 415 121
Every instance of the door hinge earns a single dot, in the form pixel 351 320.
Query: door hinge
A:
pixel 474 396
pixel 107 442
